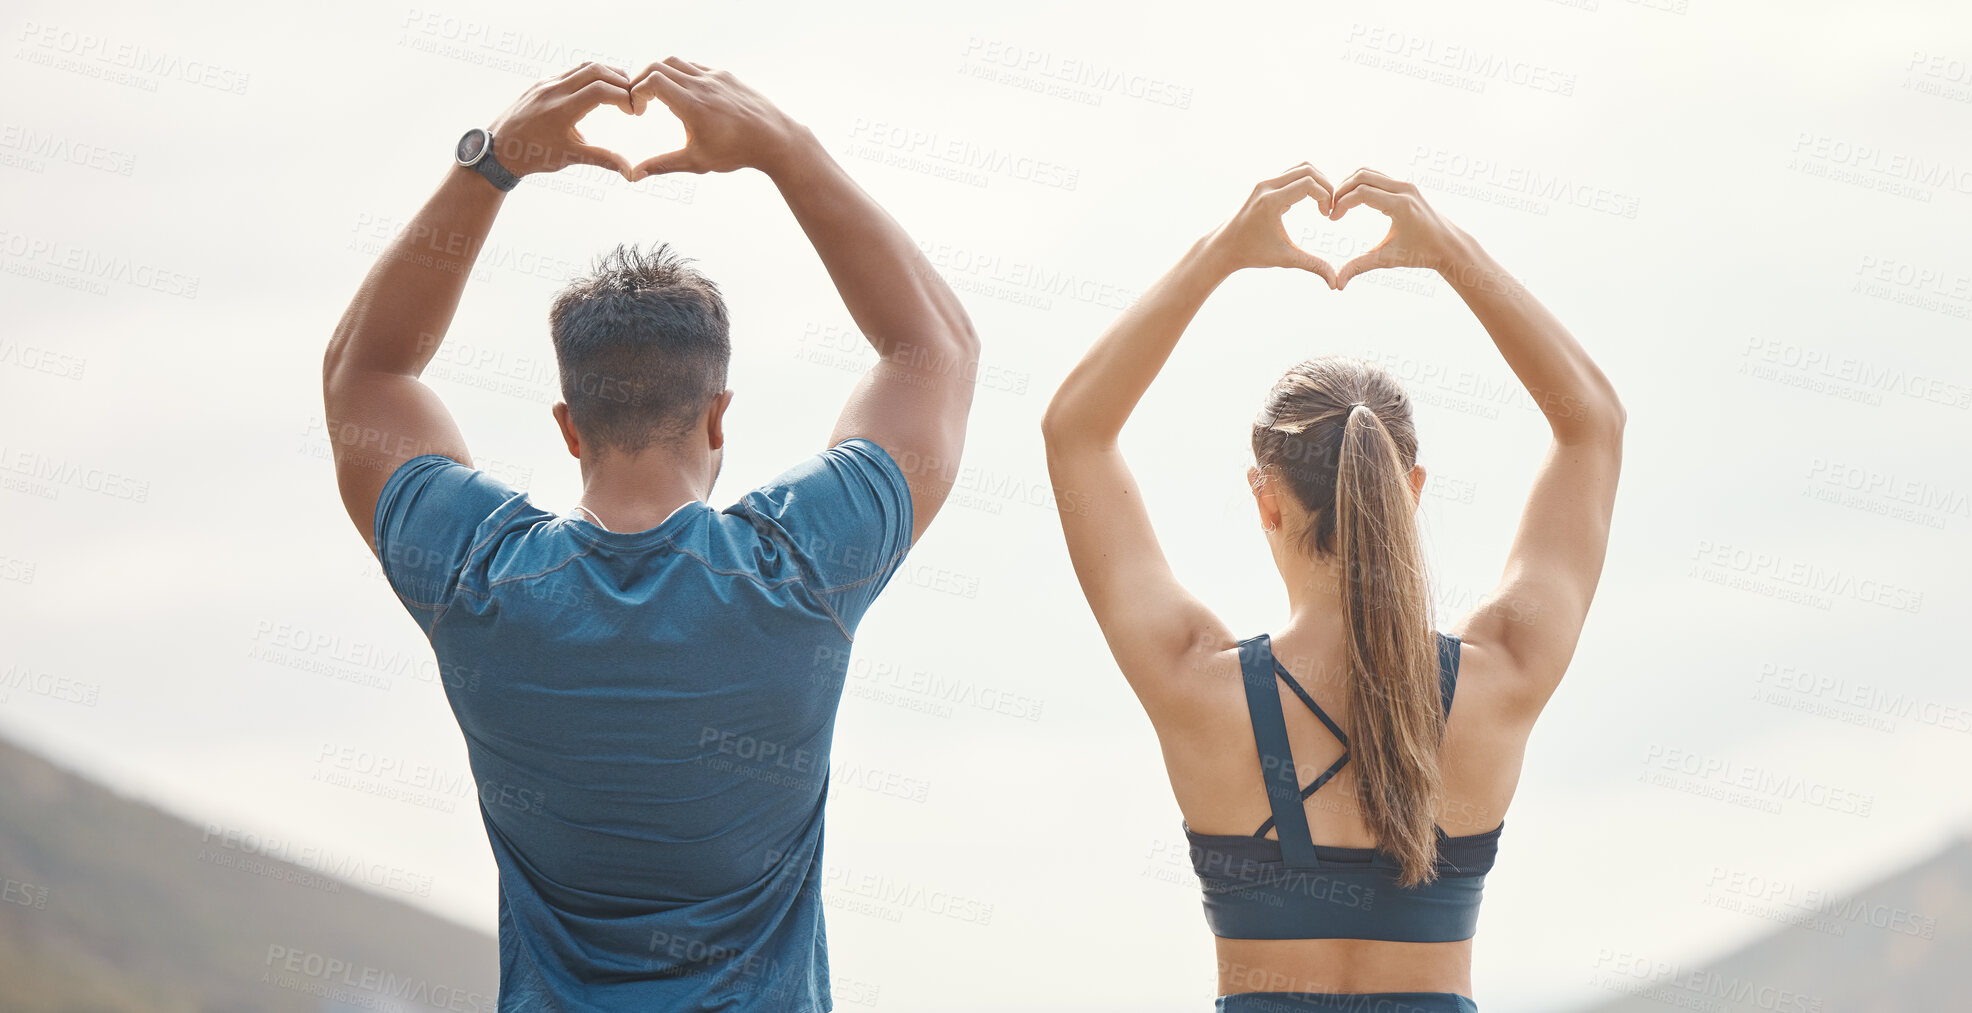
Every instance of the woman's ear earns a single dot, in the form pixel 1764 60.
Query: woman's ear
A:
pixel 1266 497
pixel 1417 484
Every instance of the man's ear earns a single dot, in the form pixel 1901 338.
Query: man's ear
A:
pixel 568 434
pixel 715 420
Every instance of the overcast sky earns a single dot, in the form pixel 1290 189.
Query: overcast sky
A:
pixel 1753 215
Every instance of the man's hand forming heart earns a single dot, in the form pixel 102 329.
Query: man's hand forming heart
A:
pixel 538 134
pixel 727 124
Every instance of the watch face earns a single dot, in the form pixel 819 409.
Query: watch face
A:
pixel 472 146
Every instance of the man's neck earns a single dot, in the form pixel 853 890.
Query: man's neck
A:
pixel 637 492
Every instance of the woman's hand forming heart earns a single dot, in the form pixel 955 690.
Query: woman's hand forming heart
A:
pixel 537 133
pixel 1418 236
pixel 1255 235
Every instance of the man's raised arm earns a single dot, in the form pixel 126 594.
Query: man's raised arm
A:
pixel 378 413
pixel 914 401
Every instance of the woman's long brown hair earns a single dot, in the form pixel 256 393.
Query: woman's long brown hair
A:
pixel 1350 467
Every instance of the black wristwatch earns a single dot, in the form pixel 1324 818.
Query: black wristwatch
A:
pixel 476 153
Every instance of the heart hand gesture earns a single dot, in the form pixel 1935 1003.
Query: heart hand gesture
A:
pixel 1418 237
pixel 537 133
pixel 727 124
pixel 1256 237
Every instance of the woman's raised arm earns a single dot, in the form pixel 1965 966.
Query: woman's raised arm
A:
pixel 1151 622
pixel 1534 616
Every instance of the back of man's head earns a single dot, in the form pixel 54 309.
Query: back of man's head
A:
pixel 642 344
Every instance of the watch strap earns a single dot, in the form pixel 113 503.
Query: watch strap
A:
pixel 491 168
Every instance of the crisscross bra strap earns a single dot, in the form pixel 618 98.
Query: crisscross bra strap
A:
pixel 1256 656
pixel 1257 671
pixel 1287 677
pixel 1334 729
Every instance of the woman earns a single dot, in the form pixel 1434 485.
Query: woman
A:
pixel 1375 755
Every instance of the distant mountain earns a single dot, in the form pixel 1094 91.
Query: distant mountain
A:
pixel 108 905
pixel 1900 945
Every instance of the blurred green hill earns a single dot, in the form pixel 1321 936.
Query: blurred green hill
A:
pixel 109 904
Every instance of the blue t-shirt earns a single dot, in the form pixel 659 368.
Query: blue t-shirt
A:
pixel 648 717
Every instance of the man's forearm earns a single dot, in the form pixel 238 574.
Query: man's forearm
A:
pixel 406 302
pixel 888 286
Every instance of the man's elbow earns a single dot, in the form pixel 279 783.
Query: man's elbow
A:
pixel 332 358
pixel 339 353
pixel 963 336
pixel 946 344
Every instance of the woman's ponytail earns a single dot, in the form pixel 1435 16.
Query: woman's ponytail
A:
pixel 1338 431
pixel 1396 713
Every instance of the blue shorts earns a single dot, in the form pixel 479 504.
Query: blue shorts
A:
pixel 1360 1002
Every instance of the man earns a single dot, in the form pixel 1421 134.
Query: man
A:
pixel 648 691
